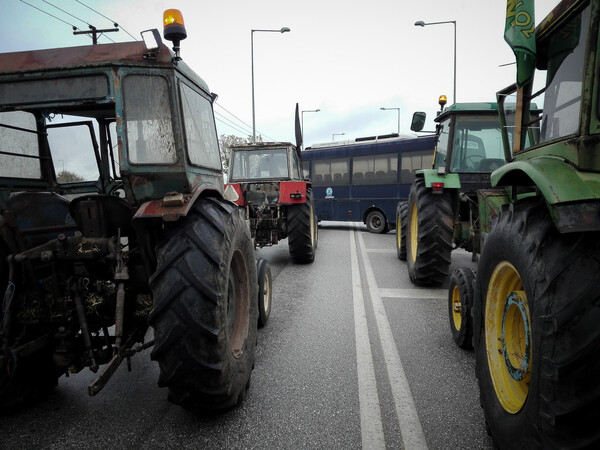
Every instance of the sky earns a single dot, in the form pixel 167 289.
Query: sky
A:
pixel 347 59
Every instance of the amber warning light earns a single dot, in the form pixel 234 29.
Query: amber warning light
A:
pixel 174 28
pixel 442 100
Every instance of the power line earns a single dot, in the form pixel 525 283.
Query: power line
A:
pixel 231 124
pixel 51 15
pixel 240 120
pixel 107 18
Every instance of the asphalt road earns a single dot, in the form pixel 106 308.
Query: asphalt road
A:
pixel 353 356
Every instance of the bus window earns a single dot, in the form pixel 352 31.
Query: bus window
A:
pixel 375 169
pixel 330 172
pixel 413 161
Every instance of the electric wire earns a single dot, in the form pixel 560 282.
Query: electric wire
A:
pixel 75 17
pixel 107 18
pixel 51 15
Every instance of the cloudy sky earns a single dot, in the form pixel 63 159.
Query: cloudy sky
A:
pixel 346 58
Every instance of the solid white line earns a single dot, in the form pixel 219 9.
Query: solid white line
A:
pixel 436 294
pixel 371 426
pixel 410 426
pixel 381 250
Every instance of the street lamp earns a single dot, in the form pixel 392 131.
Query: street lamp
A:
pixel 306 110
pixel 336 134
pixel 420 23
pixel 282 30
pixel 397 109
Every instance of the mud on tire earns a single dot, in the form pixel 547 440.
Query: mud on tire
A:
pixel 205 308
pixel 429 235
pixel 537 283
pixel 302 230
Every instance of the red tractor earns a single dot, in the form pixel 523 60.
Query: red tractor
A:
pixel 267 180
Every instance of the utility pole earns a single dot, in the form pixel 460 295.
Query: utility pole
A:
pixel 95 32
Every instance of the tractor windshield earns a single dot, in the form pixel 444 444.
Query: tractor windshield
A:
pixel 476 144
pixel 259 164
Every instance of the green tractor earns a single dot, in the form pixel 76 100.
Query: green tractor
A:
pixel 113 220
pixel 536 312
pixel 442 211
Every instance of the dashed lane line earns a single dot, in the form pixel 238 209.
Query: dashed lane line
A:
pixel 434 294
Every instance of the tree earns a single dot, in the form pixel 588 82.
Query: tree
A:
pixel 228 141
pixel 65 176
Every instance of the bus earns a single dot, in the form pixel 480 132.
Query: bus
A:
pixel 362 180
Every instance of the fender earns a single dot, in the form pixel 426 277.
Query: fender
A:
pixel 173 205
pixel 449 180
pixel 558 181
pixel 573 197
pixel 292 192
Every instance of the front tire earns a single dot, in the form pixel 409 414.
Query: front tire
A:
pixel 401 225
pixel 460 303
pixel 205 308
pixel 536 332
pixel 265 291
pixel 429 235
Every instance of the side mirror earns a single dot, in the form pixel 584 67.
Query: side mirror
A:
pixel 418 121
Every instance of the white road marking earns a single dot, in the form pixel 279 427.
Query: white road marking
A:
pixel 370 412
pixel 436 294
pixel 410 426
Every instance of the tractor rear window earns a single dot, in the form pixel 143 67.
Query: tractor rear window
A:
pixel 148 121
pixel 259 164
pixel 19 153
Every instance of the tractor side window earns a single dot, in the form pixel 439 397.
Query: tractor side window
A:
pixel 441 148
pixel 19 152
pixel 148 121
pixel 564 79
pixel 200 132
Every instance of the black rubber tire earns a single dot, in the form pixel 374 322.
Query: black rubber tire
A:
pixel 429 235
pixel 302 230
pixel 401 224
pixel 460 304
pixel 558 273
pixel 376 222
pixel 265 291
pixel 205 308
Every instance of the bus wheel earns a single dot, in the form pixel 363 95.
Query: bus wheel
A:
pixel 401 215
pixel 428 235
pixel 376 222
pixel 536 334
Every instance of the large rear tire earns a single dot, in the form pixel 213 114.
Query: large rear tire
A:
pixel 536 335
pixel 460 303
pixel 429 235
pixel 401 225
pixel 205 308
pixel 302 231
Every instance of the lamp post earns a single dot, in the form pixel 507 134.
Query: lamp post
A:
pixel 336 134
pixel 282 30
pixel 420 23
pixel 306 110
pixel 397 109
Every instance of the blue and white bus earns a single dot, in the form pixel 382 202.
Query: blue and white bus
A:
pixel 364 179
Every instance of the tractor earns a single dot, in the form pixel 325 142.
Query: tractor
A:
pixel 442 211
pixel 536 303
pixel 113 219
pixel 267 181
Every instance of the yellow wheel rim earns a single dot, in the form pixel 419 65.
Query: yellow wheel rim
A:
pixel 508 337
pixel 414 229
pixel 398 232
pixel 456 308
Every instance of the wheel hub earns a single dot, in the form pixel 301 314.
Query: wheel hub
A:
pixel 516 341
